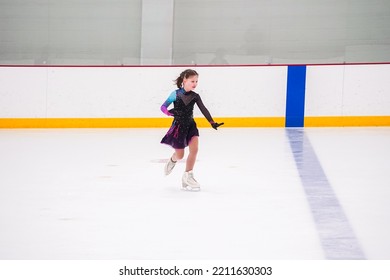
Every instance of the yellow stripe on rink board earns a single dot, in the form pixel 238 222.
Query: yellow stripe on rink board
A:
pixel 245 122
pixel 84 123
pixel 201 122
pixel 347 121
pixel 133 122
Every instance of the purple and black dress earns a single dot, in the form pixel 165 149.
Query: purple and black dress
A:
pixel 183 127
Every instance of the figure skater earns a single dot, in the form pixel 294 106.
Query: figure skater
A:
pixel 183 131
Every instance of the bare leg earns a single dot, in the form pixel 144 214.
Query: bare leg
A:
pixel 178 154
pixel 193 146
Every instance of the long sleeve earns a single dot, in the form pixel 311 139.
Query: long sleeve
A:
pixel 165 105
pixel 204 110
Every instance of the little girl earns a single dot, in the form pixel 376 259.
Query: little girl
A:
pixel 183 131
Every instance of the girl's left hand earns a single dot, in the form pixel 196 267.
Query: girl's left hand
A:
pixel 216 125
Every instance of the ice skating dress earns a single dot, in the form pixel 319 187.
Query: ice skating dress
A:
pixel 183 127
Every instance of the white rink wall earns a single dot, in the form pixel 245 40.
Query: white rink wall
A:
pixel 94 92
pixel 233 91
pixel 348 90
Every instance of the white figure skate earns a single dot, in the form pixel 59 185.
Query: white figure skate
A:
pixel 169 166
pixel 189 183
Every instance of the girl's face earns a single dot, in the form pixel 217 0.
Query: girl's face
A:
pixel 190 83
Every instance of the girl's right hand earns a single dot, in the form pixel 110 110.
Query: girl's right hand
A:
pixel 172 112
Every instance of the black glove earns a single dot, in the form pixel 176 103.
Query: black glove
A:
pixel 172 111
pixel 216 125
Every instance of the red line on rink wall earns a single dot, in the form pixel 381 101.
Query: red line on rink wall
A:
pixel 190 65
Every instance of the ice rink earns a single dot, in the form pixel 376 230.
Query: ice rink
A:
pixel 266 193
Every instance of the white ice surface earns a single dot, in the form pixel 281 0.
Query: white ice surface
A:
pixel 357 164
pixel 101 194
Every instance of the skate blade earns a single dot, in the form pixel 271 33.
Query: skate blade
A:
pixel 189 189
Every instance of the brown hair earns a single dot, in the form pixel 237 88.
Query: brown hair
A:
pixel 185 75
